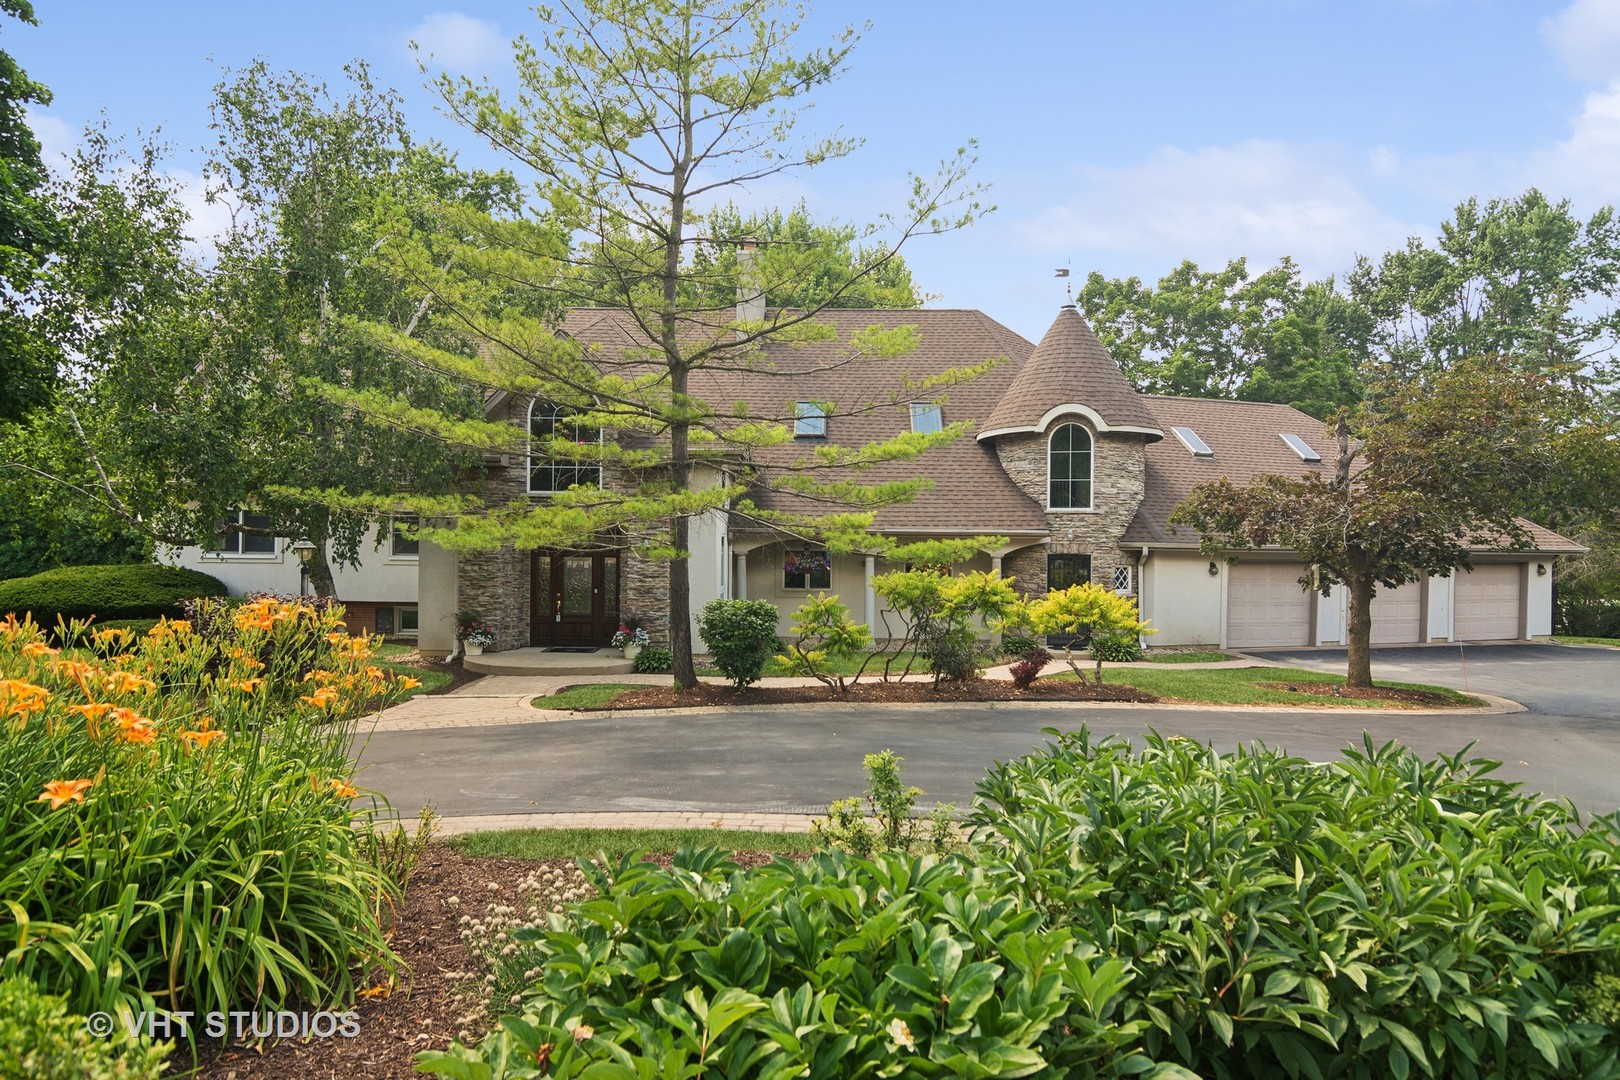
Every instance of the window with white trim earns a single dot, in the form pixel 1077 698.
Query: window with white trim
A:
pixel 548 475
pixel 1069 464
pixel 807 570
pixel 1122 580
pixel 926 418
pixel 809 420
pixel 233 542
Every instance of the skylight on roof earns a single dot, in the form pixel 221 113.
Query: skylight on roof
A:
pixel 926 418
pixel 1189 438
pixel 1301 447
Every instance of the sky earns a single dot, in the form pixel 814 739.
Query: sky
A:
pixel 1119 137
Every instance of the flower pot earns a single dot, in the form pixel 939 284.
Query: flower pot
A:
pixel 631 651
pixel 473 648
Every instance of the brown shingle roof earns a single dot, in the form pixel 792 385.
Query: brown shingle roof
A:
pixel 1245 438
pixel 971 493
pixel 1070 367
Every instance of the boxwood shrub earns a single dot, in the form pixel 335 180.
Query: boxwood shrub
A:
pixel 106 592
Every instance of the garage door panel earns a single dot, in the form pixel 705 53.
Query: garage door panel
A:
pixel 1397 615
pixel 1489 606
pixel 1267 606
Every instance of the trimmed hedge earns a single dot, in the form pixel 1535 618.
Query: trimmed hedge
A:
pixel 106 592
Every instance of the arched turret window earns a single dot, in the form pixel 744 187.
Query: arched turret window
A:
pixel 1068 465
pixel 549 474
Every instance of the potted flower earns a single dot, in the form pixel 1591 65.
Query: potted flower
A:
pixel 473 632
pixel 632 636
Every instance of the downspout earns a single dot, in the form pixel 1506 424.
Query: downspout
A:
pixel 1141 590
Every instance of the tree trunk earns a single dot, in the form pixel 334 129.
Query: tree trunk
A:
pixel 680 578
pixel 1358 631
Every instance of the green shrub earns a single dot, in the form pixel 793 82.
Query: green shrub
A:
pixel 105 592
pixel 654 660
pixel 1382 916
pixel 1117 648
pixel 41 1040
pixel 834 967
pixel 822 631
pixel 893 807
pixel 740 635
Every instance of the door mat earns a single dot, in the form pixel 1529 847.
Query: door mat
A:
pixel 573 649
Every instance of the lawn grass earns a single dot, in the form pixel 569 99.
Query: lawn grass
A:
pixel 589 696
pixel 1184 657
pixel 576 843
pixel 432 679
pixel 1563 639
pixel 1237 686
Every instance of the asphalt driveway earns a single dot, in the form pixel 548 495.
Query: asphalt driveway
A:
pixel 798 759
pixel 1557 680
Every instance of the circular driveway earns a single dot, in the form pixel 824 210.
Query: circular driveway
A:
pixel 798 759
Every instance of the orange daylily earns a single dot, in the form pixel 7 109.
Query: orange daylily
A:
pixel 342 788
pixel 36 649
pixel 123 682
pixel 202 737
pixel 378 991
pixel 322 698
pixel 59 792
pixel 19 698
pixel 407 683
pixel 247 686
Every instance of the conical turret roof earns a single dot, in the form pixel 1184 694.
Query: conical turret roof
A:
pixel 1070 371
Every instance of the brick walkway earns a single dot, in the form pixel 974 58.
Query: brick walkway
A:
pixel 773 823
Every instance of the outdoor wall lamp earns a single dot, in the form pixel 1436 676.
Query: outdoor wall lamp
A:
pixel 1214 568
pixel 305 551
pixel 1541 569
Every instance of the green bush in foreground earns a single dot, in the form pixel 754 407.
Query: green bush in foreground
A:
pixel 41 1040
pixel 836 967
pixel 653 660
pixel 106 592
pixel 1382 916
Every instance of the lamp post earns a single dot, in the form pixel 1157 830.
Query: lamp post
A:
pixel 305 551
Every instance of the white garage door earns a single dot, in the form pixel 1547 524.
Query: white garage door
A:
pixel 1397 615
pixel 1488 602
pixel 1265 606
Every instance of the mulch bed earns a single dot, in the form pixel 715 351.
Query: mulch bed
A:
pixel 434 996
pixel 711 694
pixel 1416 698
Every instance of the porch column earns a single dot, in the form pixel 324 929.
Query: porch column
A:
pixel 871 596
pixel 995 565
pixel 739 575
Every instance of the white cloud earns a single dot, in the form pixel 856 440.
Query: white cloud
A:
pixel 1586 165
pixel 57 140
pixel 1259 198
pixel 1586 36
pixel 458 42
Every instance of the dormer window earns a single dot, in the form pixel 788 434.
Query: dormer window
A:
pixel 549 475
pixel 1306 452
pixel 1069 462
pixel 926 418
pixel 809 420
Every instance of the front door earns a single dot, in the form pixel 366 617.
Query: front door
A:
pixel 1062 572
pixel 574 598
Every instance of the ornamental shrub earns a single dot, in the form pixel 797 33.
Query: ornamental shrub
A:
pixel 1017 644
pixel 105 592
pixel 740 635
pixel 823 630
pixel 653 660
pixel 834 967
pixel 1380 916
pixel 1029 667
pixel 41 1040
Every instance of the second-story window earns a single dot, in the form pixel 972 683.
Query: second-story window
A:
pixel 551 468
pixel 809 420
pixel 1069 469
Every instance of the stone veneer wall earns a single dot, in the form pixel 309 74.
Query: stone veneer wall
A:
pixel 1118 477
pixel 497 584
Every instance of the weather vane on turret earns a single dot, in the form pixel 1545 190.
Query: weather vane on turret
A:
pixel 1068 287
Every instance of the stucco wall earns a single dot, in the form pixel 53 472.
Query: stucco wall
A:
pixel 1538 610
pixel 378 579
pixel 436 600
pixel 1181 599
